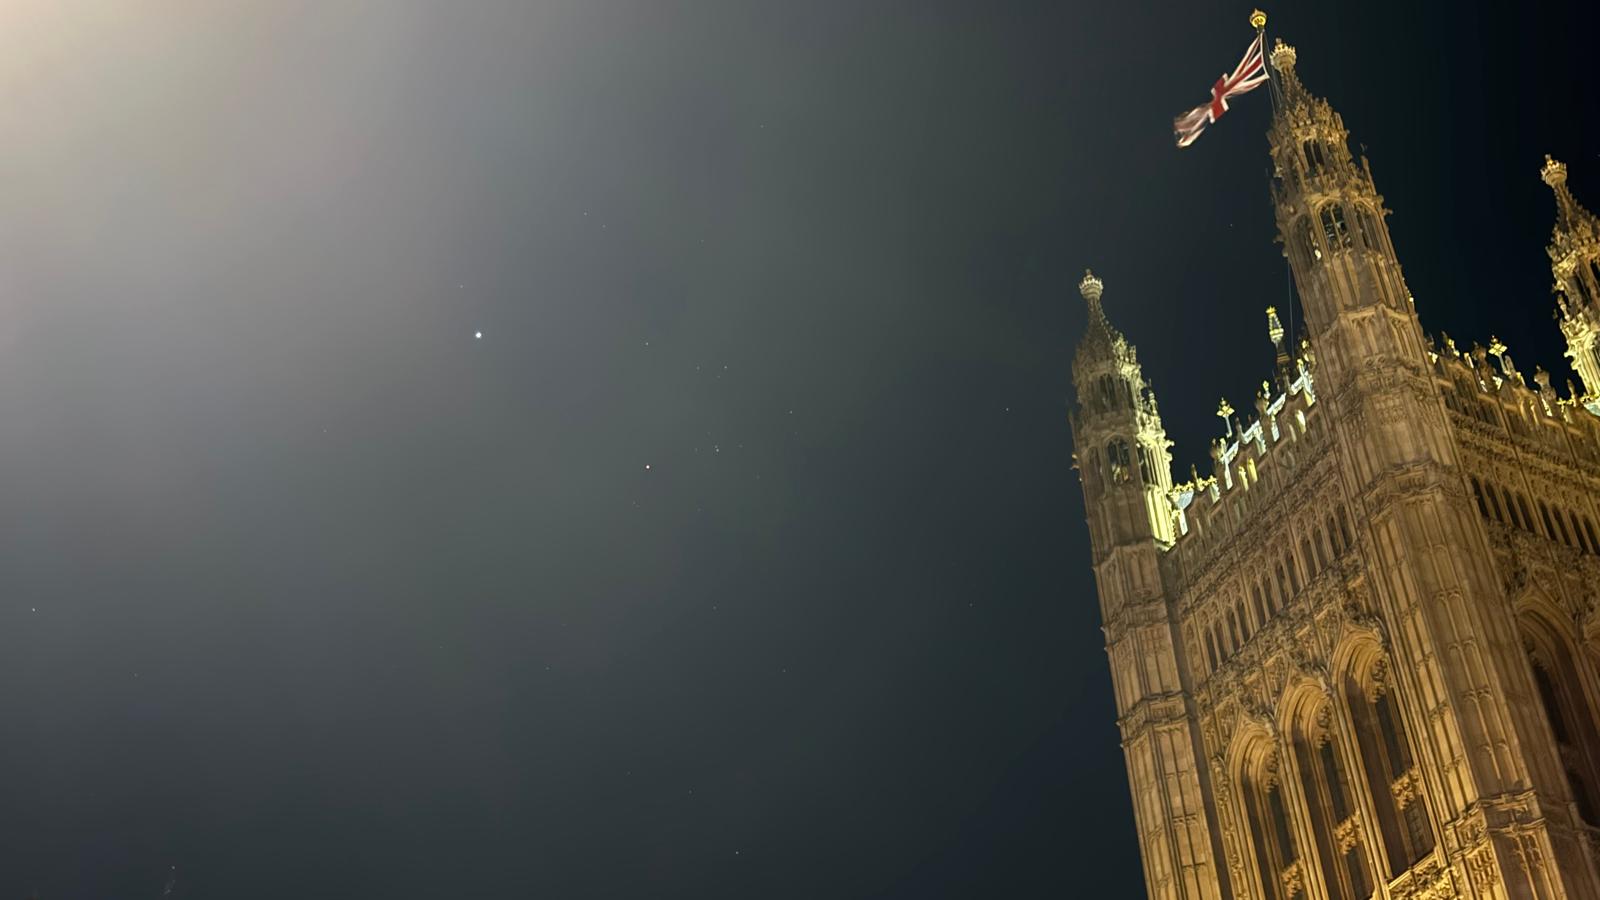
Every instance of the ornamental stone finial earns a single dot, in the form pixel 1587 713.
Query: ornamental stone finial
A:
pixel 1283 56
pixel 1553 173
pixel 1090 287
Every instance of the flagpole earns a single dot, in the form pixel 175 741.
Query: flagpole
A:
pixel 1258 19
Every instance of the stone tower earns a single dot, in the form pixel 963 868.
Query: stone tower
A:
pixel 1123 457
pixel 1361 658
pixel 1575 262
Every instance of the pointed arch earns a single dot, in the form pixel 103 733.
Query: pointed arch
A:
pixel 1328 801
pixel 1118 460
pixel 1559 682
pixel 1255 768
pixel 1381 748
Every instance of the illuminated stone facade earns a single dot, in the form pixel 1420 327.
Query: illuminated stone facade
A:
pixel 1358 659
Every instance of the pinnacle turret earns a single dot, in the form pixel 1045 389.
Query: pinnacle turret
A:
pixel 1275 333
pixel 1102 342
pixel 1122 447
pixel 1576 229
pixel 1283 58
pixel 1575 266
pixel 1331 224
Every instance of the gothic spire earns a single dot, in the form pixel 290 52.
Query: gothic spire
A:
pixel 1571 218
pixel 1575 265
pixel 1101 340
pixel 1275 334
pixel 1122 448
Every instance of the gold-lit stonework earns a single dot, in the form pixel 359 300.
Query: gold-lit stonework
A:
pixel 1361 657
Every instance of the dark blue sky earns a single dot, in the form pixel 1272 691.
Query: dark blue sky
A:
pixel 308 592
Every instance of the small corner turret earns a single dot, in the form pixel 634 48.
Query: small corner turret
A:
pixel 1122 449
pixel 1575 267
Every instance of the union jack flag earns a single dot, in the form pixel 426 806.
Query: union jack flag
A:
pixel 1250 74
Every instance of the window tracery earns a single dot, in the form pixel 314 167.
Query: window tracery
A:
pixel 1393 783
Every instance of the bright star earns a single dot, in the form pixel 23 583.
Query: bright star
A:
pixel 477 335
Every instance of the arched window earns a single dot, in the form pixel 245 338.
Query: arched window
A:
pixel 1283 587
pixel 1315 159
pixel 1309 240
pixel 1477 491
pixel 1211 649
pixel 1319 542
pixel 1271 836
pixel 1371 232
pixel 1223 649
pixel 1294 573
pixel 1393 783
pixel 1561 526
pixel 1334 229
pixel 1572 719
pixel 1233 628
pixel 1261 604
pixel 1108 392
pixel 1309 558
pixel 1549 523
pixel 1334 539
pixel 1576 525
pixel 1344 528
pixel 1331 808
pixel 1117 460
pixel 1525 517
pixel 1147 472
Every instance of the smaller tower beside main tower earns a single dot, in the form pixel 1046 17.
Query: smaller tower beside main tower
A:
pixel 1122 448
pixel 1575 264
pixel 1126 470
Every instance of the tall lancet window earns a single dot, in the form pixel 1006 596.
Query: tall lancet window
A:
pixel 1371 236
pixel 1330 807
pixel 1110 394
pixel 1315 158
pixel 1393 781
pixel 1271 836
pixel 1309 240
pixel 1118 461
pixel 1558 676
pixel 1147 468
pixel 1334 229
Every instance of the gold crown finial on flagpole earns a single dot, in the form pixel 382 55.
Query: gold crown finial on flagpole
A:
pixel 1258 19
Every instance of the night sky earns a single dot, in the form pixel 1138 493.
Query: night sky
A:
pixel 741 557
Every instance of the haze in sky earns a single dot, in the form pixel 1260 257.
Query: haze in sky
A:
pixel 619 449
